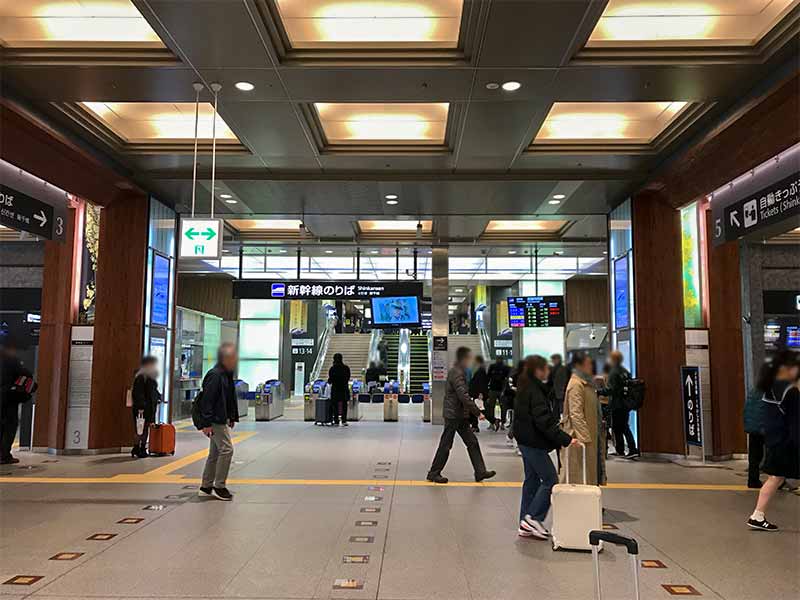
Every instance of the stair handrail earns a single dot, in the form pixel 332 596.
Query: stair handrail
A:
pixel 324 342
pixel 374 354
pixel 404 359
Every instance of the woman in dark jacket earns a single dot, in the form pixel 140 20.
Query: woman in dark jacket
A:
pixel 537 433
pixel 781 422
pixel 145 400
pixel 339 380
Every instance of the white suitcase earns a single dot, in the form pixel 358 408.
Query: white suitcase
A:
pixel 577 510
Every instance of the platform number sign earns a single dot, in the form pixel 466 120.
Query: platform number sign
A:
pixel 201 238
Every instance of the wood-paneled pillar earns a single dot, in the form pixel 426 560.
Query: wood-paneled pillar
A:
pixel 59 309
pixel 659 321
pixel 119 314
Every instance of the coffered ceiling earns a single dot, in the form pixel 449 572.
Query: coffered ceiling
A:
pixel 352 101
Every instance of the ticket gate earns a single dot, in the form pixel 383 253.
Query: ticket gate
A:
pixel 269 400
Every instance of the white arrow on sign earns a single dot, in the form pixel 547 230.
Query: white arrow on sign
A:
pixel 689 383
pixel 42 218
pixel 734 218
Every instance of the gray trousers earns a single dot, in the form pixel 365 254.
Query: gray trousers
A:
pixel 220 454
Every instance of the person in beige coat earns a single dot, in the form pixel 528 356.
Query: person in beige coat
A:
pixel 582 420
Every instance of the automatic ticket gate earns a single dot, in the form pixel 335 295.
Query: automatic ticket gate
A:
pixel 269 400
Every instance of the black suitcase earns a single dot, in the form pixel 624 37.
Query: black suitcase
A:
pixel 323 411
pixel 595 537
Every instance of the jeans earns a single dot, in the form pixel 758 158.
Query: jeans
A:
pixel 540 477
pixel 9 422
pixel 755 454
pixel 462 428
pixel 620 419
pixel 220 454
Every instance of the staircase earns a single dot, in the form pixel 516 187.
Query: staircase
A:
pixel 471 341
pixel 419 369
pixel 393 343
pixel 354 348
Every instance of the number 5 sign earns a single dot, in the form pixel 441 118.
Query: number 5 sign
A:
pixel 201 238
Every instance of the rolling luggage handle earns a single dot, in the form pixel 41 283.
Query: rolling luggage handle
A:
pixel 595 537
pixel 566 455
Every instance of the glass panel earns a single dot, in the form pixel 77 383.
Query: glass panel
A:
pixel 260 309
pixel 257 371
pixel 259 339
pixel 211 340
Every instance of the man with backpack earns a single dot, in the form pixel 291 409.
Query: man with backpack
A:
pixel 215 413
pixel 624 395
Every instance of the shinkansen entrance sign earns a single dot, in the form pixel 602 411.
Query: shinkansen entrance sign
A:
pixel 200 238
pixel 323 289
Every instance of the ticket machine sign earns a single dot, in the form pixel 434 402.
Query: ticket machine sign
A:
pixel 201 238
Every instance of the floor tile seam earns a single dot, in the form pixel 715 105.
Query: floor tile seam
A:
pixel 674 561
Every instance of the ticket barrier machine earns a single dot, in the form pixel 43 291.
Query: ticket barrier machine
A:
pixel 426 402
pixel 242 397
pixel 310 399
pixel 269 400
pixel 356 388
pixel 390 401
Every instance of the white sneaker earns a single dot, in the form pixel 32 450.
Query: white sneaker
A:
pixel 530 530
pixel 536 525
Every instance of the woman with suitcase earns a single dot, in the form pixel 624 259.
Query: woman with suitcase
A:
pixel 145 396
pixel 537 433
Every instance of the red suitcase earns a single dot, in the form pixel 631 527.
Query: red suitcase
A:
pixel 162 439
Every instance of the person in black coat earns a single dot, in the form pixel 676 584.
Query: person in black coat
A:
pixel 16 387
pixel 479 390
pixel 146 397
pixel 537 433
pixel 339 380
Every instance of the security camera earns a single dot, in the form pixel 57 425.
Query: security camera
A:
pixel 592 334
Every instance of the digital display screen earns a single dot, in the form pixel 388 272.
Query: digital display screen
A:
pixel 159 293
pixel 793 336
pixel 536 311
pixel 395 311
pixel 622 318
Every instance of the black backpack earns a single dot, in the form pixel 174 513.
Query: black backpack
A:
pixel 633 393
pixel 197 415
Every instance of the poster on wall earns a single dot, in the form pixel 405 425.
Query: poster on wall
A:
pixel 159 291
pixel 622 318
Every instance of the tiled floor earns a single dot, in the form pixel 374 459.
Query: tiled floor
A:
pixel 285 539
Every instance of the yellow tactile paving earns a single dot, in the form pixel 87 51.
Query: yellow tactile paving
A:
pixel 194 457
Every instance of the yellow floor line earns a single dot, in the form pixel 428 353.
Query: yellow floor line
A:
pixel 194 457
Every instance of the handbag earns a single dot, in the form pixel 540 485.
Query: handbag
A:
pixel 140 423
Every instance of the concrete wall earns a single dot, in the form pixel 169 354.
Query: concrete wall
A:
pixel 21 264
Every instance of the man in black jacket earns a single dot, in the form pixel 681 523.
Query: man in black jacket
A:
pixel 458 407
pixel 218 415
pixel 498 381
pixel 16 387
pixel 618 378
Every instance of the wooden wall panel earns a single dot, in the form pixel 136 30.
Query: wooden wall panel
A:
pixel 725 348
pixel 212 295
pixel 58 313
pixel 659 321
pixel 118 318
pixel 587 300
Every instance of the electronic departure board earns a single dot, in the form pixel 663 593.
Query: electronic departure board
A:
pixel 536 311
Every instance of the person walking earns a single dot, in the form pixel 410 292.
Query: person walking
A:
pixel 498 381
pixel 16 387
pixel 457 408
pixel 557 381
pixel 582 420
pixel 339 380
pixel 218 414
pixel 145 397
pixel 754 428
pixel 618 377
pixel 479 391
pixel 781 419
pixel 537 433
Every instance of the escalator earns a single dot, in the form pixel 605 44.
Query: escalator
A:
pixel 393 343
pixel 419 369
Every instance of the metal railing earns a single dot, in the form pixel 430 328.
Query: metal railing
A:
pixel 324 342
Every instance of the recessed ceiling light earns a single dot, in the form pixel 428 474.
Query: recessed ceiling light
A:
pixel 282 251
pixel 512 251
pixel 492 85
pixel 373 251
pixel 230 201
pixel 391 196
pixel 554 202
pixel 604 252
pixel 391 202
pixel 459 290
pixel 558 196
pixel 328 251
pixel 245 86
pixel 225 196
pixel 512 86
pixel 558 253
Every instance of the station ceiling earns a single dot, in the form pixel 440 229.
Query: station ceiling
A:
pixel 464 110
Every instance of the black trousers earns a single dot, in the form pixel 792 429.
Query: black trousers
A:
pixel 755 454
pixel 9 422
pixel 339 410
pixel 622 431
pixel 462 428
pixel 489 405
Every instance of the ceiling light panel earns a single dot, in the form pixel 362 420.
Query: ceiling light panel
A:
pixel 587 122
pixel 362 24
pixel 265 224
pixel 524 226
pixel 395 123
pixel 653 23
pixel 74 24
pixel 372 226
pixel 160 121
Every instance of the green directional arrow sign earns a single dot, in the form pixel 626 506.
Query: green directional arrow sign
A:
pixel 200 238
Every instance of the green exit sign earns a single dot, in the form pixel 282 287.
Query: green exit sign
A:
pixel 201 238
